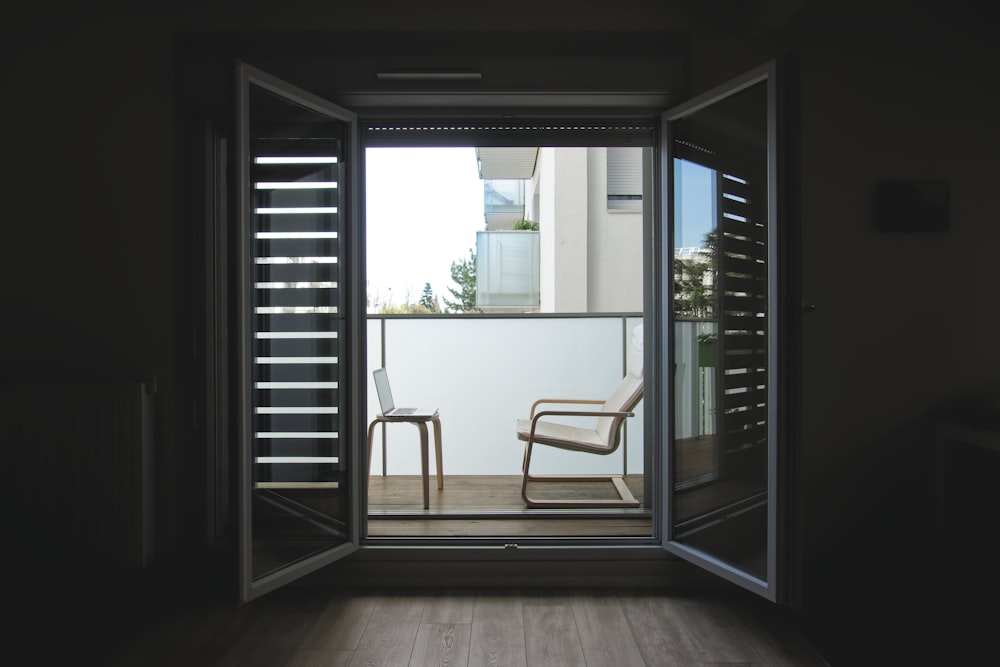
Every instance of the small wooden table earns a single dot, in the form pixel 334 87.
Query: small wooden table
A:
pixel 421 423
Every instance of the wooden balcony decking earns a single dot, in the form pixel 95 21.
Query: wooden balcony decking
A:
pixel 491 506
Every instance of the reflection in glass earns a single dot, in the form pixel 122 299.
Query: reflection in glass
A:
pixel 299 485
pixel 720 268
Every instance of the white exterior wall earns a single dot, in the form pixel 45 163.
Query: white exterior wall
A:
pixel 614 256
pixel 563 229
pixel 591 258
pixel 544 173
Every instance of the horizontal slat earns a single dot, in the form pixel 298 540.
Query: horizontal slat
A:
pixel 748 247
pixel 295 210
pixel 296 185
pixel 297 247
pixel 736 185
pixel 297 485
pixel 750 230
pixel 737 418
pixel 296 459
pixel 740 380
pixel 741 266
pixel 298 158
pixel 294 273
pixel 743 398
pixel 297 297
pixel 745 437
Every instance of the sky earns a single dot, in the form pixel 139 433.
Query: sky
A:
pixel 423 209
pixel 694 193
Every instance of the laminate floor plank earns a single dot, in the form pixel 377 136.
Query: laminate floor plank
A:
pixel 604 631
pixel 657 626
pixel 303 625
pixel 391 631
pixel 442 645
pixel 449 606
pixel 551 636
pixel 498 630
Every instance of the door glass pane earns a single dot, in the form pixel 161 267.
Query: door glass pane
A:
pixel 299 503
pixel 720 293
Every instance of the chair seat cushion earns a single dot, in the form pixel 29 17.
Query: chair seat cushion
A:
pixel 562 435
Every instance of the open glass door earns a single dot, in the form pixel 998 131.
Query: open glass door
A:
pixel 296 174
pixel 720 381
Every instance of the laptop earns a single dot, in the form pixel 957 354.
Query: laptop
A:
pixel 389 408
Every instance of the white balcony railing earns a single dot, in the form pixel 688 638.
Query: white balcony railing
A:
pixel 483 373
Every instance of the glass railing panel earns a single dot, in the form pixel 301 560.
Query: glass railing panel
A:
pixel 484 373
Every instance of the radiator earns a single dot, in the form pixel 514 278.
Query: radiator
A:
pixel 78 460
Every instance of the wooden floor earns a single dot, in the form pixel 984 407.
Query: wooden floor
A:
pixel 491 506
pixel 299 626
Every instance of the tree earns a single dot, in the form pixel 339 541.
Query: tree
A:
pixel 695 281
pixel 427 299
pixel 463 273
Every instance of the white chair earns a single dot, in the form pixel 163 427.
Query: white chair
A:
pixel 603 439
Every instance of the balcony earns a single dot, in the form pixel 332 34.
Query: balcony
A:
pixel 483 372
pixel 508 276
pixel 503 202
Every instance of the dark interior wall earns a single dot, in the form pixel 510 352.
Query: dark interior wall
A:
pixel 98 269
pixel 90 269
pixel 904 328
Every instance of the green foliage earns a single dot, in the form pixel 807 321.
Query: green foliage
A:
pixel 463 273
pixel 694 282
pixel 427 299
pixel 406 309
pixel 529 225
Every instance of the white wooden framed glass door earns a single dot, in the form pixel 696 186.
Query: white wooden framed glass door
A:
pixel 296 175
pixel 720 379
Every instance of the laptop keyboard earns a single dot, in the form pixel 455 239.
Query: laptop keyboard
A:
pixel 404 411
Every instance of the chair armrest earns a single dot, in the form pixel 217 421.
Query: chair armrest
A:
pixel 573 413
pixel 563 401
pixel 579 413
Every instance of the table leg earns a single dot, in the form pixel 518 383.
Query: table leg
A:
pixel 424 456
pixel 371 431
pixel 437 452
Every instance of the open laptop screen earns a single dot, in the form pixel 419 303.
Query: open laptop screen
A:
pixel 382 387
